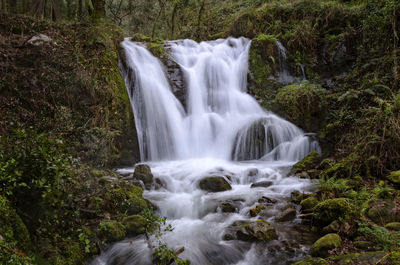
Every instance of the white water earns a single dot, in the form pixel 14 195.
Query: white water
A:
pixel 222 132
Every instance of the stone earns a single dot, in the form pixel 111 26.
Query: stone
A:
pixel 256 210
pixel 333 209
pixel 227 207
pixel 263 184
pixel 214 184
pixel 395 226
pixel 308 204
pixel 323 245
pixel 383 212
pixel 111 231
pixel 266 200
pixel 259 230
pixel 39 40
pixel 331 228
pixel 143 172
pixel 363 245
pixel 134 225
pixel 311 161
pixel 287 215
pixel 359 258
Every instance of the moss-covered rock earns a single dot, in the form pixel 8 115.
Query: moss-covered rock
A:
pixel 12 229
pixel 134 225
pixel 359 258
pixel 287 215
pixel 214 184
pixel 323 245
pixel 312 261
pixel 394 177
pixel 333 209
pixel 395 226
pixel 124 198
pixel 256 210
pixel 227 207
pixel 308 204
pixel 382 212
pixel 304 104
pixel 143 172
pixel 111 231
pixel 331 228
pixel 311 161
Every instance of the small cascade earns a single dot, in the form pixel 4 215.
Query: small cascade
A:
pixel 284 76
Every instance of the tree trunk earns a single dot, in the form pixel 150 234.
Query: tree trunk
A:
pixel 99 9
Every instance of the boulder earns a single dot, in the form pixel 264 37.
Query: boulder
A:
pixel 308 204
pixel 383 212
pixel 331 228
pixel 376 257
pixel 214 184
pixel 259 230
pixel 287 215
pixel 263 184
pixel 134 225
pixel 111 231
pixel 323 245
pixel 312 261
pixel 332 209
pixel 311 161
pixel 266 200
pixel 143 172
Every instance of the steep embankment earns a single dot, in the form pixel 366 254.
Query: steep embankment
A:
pixel 65 119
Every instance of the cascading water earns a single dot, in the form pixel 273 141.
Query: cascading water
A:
pixel 222 132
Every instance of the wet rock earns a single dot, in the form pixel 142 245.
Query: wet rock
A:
pixel 323 245
pixel 333 209
pixel 39 40
pixel 227 207
pixel 395 226
pixel 230 231
pixel 311 161
pixel 214 184
pixel 263 184
pixel 111 231
pixel 297 196
pixel 287 215
pixel 256 210
pixel 259 230
pixel 252 172
pixel 143 172
pixel 308 204
pixel 312 261
pixel 266 200
pixel 134 225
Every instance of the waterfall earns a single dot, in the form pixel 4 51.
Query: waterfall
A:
pixel 221 132
pixel 219 114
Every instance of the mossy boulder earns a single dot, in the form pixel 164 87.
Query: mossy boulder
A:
pixel 12 229
pixel 134 225
pixel 304 104
pixel 323 245
pixel 227 207
pixel 111 231
pixel 124 198
pixel 333 209
pixel 395 226
pixel 394 177
pixel 360 258
pixel 308 204
pixel 214 184
pixel 331 228
pixel 312 261
pixel 311 161
pixel 259 230
pixel 143 172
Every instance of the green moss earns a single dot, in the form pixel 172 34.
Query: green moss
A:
pixel 111 231
pixel 333 209
pixel 135 225
pixel 326 243
pixel 266 38
pixel 12 229
pixel 9 255
pixel 309 162
pixel 395 226
pixel 394 177
pixel 303 103
pixel 308 203
pixel 125 199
